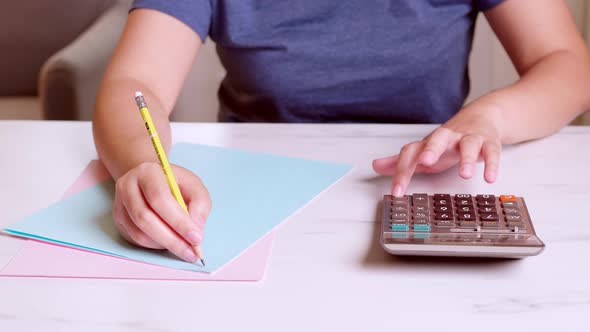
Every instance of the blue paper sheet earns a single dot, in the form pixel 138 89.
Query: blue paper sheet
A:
pixel 251 194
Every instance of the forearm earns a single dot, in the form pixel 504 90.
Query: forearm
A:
pixel 546 98
pixel 119 132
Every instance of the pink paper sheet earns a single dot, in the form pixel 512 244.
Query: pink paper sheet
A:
pixel 39 259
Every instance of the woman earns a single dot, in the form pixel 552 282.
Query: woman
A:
pixel 402 61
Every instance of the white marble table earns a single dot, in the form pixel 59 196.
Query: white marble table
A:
pixel 327 271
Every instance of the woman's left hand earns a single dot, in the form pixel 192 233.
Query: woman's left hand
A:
pixel 472 135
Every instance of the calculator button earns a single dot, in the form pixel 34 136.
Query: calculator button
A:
pixel 399 208
pixel 399 216
pixel 487 202
pixel 507 198
pixel 485 198
pixel 440 202
pixel 421 216
pixel 465 208
pixel 399 201
pixel 442 196
pixel 511 210
pixel 420 208
pixel 467 224
pixel 462 196
pixel 487 209
pixel 400 227
pixel 513 217
pixel 489 217
pixel 463 202
pixel 443 216
pixel 421 227
pixel 399 221
pixel 445 223
pixel 420 199
pixel 443 209
pixel 509 204
pixel 518 224
pixel 466 217
pixel 490 224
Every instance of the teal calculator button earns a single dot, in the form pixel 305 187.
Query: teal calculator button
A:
pixel 399 227
pixel 421 227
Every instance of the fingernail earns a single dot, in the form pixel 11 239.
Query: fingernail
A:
pixel 194 237
pixel 397 191
pixel 467 170
pixel 189 255
pixel 491 176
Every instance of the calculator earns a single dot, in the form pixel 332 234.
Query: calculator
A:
pixel 458 225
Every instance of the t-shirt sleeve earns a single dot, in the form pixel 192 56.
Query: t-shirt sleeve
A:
pixel 194 13
pixel 483 5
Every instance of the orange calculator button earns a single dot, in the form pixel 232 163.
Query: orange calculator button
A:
pixel 507 198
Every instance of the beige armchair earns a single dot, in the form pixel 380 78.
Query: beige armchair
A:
pixel 56 52
pixel 31 32
pixel 70 79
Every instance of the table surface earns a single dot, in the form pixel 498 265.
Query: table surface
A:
pixel 327 269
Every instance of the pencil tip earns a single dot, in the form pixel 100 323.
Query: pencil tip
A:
pixel 203 262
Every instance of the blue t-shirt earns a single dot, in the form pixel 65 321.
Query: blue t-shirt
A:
pixel 402 61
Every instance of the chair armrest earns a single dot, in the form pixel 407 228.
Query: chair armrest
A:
pixel 69 80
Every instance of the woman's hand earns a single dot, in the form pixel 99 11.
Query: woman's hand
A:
pixel 147 214
pixel 471 135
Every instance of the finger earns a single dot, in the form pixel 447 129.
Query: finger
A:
pixel 128 230
pixel 154 227
pixel 123 222
pixel 157 194
pixel 197 219
pixel 385 166
pixel 406 165
pixel 491 156
pixel 445 162
pixel 470 149
pixel 195 194
pixel 435 145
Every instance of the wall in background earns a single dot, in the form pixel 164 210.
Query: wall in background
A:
pixel 203 81
pixel 490 66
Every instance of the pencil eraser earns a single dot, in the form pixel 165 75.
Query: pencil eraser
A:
pixel 138 94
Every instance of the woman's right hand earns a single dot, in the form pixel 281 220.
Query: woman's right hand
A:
pixel 146 213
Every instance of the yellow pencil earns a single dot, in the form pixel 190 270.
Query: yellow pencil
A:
pixel 151 128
